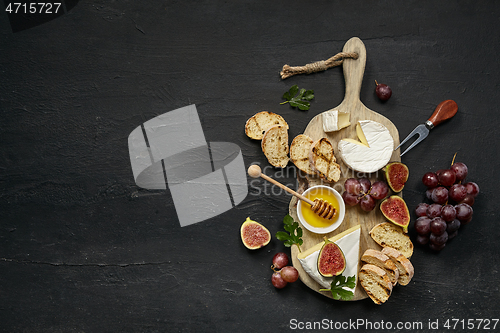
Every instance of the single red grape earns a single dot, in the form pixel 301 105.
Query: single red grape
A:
pixel 438 226
pixel 423 226
pixel 439 239
pixel 365 184
pixel 352 186
pixel 430 180
pixel 457 192
pixel 367 203
pixel 447 177
pixel 421 209
pixel 472 188
pixel 383 91
pixel 461 170
pixel 277 280
pixel 452 226
pixel 379 190
pixel 289 274
pixel 280 260
pixel 440 195
pixel 464 213
pixel 434 210
pixel 350 199
pixel 448 213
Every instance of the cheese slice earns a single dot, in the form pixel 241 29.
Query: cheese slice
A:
pixel 372 152
pixel 334 120
pixel 348 241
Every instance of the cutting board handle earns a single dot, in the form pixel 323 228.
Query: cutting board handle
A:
pixel 354 70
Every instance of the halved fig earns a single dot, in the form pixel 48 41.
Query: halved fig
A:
pixel 396 174
pixel 254 235
pixel 331 259
pixel 395 210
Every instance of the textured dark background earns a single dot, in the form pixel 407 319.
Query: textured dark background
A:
pixel 83 249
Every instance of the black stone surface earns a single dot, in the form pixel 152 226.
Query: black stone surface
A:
pixel 83 249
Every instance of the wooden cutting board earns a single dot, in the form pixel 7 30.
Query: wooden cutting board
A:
pixel 353 75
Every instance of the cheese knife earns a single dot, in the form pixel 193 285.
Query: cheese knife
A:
pixel 444 111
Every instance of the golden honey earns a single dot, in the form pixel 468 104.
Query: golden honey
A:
pixel 314 219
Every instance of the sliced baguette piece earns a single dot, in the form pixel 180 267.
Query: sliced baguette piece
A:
pixel 379 259
pixel 323 160
pixel 259 123
pixel 275 145
pixel 391 235
pixel 405 267
pixel 375 282
pixel 299 153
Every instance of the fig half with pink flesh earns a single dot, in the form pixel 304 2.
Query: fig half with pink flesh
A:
pixel 396 174
pixel 395 210
pixel 331 259
pixel 254 235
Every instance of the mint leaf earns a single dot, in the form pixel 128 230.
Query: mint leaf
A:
pixel 342 294
pixel 337 287
pixel 290 93
pixel 294 233
pixel 308 95
pixel 288 219
pixel 351 281
pixel 282 236
pixel 299 234
pixel 302 105
pixel 298 98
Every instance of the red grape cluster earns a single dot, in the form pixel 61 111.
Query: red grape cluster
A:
pixel 450 207
pixel 361 191
pixel 282 274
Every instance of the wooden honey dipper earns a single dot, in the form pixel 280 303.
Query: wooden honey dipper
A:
pixel 318 206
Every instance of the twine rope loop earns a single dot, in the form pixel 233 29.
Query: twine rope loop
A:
pixel 317 66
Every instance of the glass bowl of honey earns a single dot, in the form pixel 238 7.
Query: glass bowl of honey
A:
pixel 312 221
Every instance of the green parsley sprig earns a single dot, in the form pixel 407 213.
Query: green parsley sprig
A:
pixel 294 233
pixel 298 98
pixel 337 290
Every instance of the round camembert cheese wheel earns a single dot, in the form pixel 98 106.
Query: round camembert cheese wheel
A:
pixel 372 152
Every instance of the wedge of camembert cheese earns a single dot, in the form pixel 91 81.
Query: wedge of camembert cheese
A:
pixel 348 241
pixel 372 152
pixel 334 120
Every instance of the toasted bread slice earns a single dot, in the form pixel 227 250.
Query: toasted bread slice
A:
pixel 259 123
pixel 375 282
pixel 323 160
pixel 391 235
pixel 405 267
pixel 333 172
pixel 379 259
pixel 275 145
pixel 299 153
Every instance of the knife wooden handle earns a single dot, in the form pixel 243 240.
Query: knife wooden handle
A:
pixel 444 111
